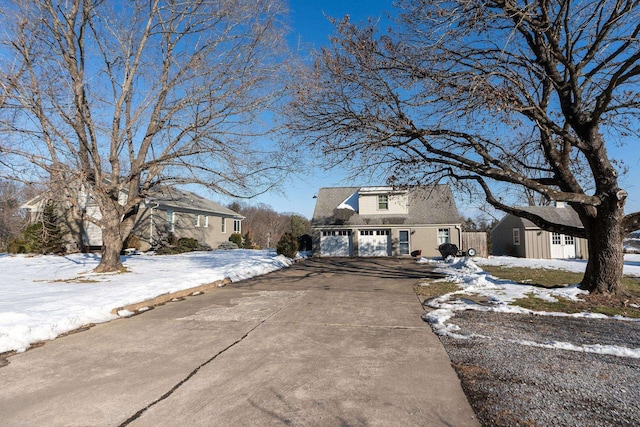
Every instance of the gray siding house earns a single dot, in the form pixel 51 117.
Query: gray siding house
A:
pixel 519 237
pixel 384 221
pixel 166 211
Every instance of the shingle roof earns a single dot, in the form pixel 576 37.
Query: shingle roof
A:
pixel 171 197
pixel 427 205
pixel 563 216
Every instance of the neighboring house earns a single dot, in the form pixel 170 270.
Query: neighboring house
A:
pixel 383 221
pixel 167 211
pixel 519 237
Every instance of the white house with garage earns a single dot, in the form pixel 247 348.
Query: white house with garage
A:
pixel 384 221
pixel 519 237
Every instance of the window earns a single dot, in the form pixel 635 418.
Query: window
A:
pixel 443 235
pixel 516 237
pixel 556 238
pixel 568 240
pixel 236 226
pixel 383 202
pixel 196 220
pixel 223 225
pixel 339 233
pixel 206 221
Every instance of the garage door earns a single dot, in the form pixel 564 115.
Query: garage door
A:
pixel 335 243
pixel 373 243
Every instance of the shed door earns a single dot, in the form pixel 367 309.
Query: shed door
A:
pixel 335 243
pixel 373 243
pixel 562 246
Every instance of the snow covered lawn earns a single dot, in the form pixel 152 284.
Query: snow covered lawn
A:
pixel 468 274
pixel 45 296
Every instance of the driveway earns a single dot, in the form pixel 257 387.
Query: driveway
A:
pixel 326 342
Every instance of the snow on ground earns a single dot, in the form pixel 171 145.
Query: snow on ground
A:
pixel 45 296
pixel 468 274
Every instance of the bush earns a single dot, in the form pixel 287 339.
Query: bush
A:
pixel 237 239
pixel 44 237
pixel 247 244
pixel 188 243
pixel 182 245
pixel 132 241
pixel 287 245
pixel 228 245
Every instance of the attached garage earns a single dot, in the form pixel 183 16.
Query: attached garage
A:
pixel 374 243
pixel 335 243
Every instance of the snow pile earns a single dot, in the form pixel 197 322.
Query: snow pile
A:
pixel 45 296
pixel 477 285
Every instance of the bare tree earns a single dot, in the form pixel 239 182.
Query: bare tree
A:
pixel 12 218
pixel 480 93
pixel 264 225
pixel 111 98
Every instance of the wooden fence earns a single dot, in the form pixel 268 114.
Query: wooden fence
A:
pixel 476 240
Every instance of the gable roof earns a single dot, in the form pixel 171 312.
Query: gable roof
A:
pixel 171 198
pixel 558 215
pixel 427 205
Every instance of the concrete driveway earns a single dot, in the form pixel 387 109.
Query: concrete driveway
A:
pixel 327 342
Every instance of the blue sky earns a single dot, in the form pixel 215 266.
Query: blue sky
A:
pixel 311 30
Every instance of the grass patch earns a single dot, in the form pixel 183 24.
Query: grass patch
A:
pixel 562 305
pixel 621 305
pixel 434 288
pixel 545 278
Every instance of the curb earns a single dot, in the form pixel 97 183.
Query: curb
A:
pixel 161 299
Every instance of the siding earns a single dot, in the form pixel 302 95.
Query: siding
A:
pixel 537 244
pixel 152 224
pixel 398 204
pixel 502 237
pixel 426 238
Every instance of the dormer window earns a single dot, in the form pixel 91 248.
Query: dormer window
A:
pixel 383 202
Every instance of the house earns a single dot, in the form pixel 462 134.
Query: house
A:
pixel 519 237
pixel 384 221
pixel 167 212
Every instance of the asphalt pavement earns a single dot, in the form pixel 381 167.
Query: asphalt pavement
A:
pixel 327 342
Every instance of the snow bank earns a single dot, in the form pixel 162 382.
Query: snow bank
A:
pixel 45 296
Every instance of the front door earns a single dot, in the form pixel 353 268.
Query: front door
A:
pixel 403 242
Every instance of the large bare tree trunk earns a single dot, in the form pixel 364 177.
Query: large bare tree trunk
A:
pixel 606 257
pixel 112 241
